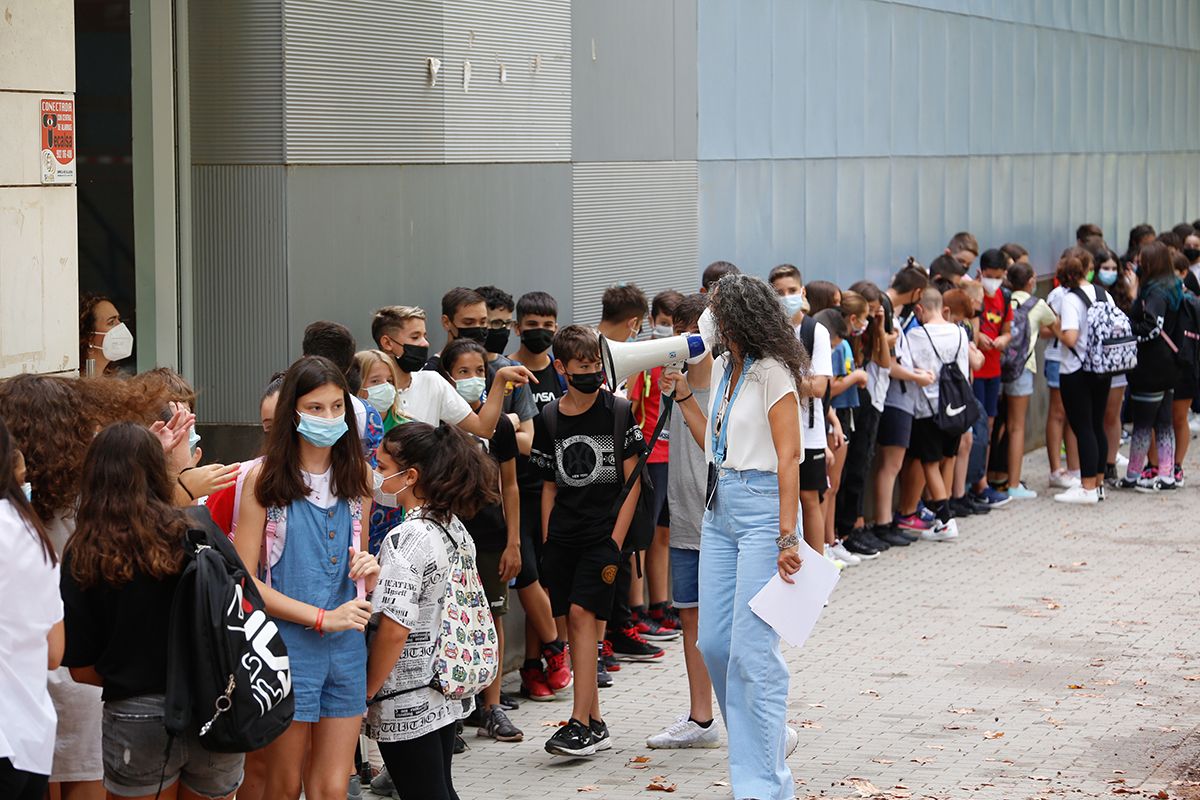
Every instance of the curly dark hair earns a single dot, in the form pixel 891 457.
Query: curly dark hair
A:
pixel 53 420
pixel 87 324
pixel 10 490
pixel 127 524
pixel 174 385
pixel 751 319
pixel 456 476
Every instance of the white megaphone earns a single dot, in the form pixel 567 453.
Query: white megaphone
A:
pixel 622 359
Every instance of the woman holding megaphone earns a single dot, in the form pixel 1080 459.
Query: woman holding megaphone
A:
pixel 750 529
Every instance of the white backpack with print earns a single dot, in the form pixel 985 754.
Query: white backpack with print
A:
pixel 465 658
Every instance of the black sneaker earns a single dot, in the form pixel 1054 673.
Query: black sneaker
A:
pixel 460 745
pixel 978 507
pixel 890 535
pixel 854 543
pixel 961 507
pixel 600 735
pixel 867 536
pixel 477 716
pixel 508 702
pixel 496 725
pixel 573 740
pixel 627 645
pixel 603 679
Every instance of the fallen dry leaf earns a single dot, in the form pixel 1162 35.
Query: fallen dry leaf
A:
pixel 871 692
pixel 588 788
pixel 1075 686
pixel 816 705
pixel 720 783
pixel 936 746
pixel 659 784
pixel 962 711
pixel 1191 677
pixel 1110 682
pixel 1123 790
pixel 1055 722
pixel 993 734
pixel 863 786
pixel 1038 778
pixel 638 762
pixel 551 724
pixel 921 761
pixel 883 761
pixel 808 723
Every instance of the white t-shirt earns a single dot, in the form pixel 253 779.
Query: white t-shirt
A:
pixel 414 562
pixel 1054 348
pixel 1074 318
pixel 901 394
pixel 431 399
pixel 931 346
pixel 28 583
pixel 748 443
pixel 822 366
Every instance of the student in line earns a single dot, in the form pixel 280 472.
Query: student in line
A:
pixel 1023 282
pixel 959 309
pixel 992 337
pixel 333 341
pixel 1121 289
pixel 518 400
pixel 379 378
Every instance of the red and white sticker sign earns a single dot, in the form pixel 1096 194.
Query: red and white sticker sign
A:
pixel 58 141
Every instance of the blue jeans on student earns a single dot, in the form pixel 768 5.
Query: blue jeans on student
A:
pixel 737 557
pixel 977 463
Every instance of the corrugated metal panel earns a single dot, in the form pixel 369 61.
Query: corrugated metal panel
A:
pixel 518 106
pixel 235 53
pixel 240 287
pixel 357 90
pixel 634 222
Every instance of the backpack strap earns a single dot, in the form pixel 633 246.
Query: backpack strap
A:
pixel 276 516
pixel 549 415
pixel 808 337
pixel 356 514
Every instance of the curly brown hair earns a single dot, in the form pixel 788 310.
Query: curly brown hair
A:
pixel 87 324
pixel 126 525
pixel 53 419
pixel 164 380
pixel 456 476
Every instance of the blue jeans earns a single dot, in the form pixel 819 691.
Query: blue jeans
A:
pixel 737 557
pixel 977 463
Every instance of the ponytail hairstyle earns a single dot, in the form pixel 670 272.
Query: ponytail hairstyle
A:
pixel 865 345
pixel 1018 276
pixel 11 491
pixel 1073 267
pixel 280 482
pixel 855 304
pixel 455 476
pixel 1157 274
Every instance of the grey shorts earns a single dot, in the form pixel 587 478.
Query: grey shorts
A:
pixel 135 743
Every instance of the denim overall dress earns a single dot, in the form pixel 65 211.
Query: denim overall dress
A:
pixel 329 672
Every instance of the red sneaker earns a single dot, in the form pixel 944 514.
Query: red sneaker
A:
pixel 664 614
pixel 649 628
pixel 534 685
pixel 609 658
pixel 558 673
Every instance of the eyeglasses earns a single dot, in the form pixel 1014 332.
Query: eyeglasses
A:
pixel 500 324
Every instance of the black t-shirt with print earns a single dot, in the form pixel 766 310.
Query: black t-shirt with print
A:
pixel 582 461
pixel 488 527
pixel 547 389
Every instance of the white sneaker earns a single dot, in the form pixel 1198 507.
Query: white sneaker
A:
pixel 793 741
pixel 837 562
pixel 1079 496
pixel 1062 480
pixel 1121 463
pixel 685 734
pixel 941 532
pixel 840 552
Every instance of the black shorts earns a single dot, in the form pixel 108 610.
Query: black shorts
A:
pixel 929 444
pixel 895 428
pixel 813 475
pixel 662 510
pixel 1185 387
pixel 531 539
pixel 583 576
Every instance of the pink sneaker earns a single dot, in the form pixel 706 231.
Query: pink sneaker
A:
pixel 912 522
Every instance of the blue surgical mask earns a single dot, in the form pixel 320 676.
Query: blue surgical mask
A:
pixel 321 432
pixel 381 396
pixel 1108 277
pixel 27 488
pixel 193 439
pixel 793 304
pixel 470 389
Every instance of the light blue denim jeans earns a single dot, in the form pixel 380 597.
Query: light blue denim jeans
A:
pixel 737 557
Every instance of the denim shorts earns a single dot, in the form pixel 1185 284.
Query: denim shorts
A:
pixel 1021 387
pixel 685 577
pixel 1051 370
pixel 134 744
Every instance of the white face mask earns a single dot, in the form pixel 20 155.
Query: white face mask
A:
pixel 708 328
pixel 991 285
pixel 470 389
pixel 27 488
pixel 662 331
pixel 381 396
pixel 118 343
pixel 385 499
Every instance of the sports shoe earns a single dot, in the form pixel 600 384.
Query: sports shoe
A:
pixel 1020 492
pixel 649 629
pixel 856 543
pixel 382 784
pixel 942 532
pixel 792 742
pixel 1179 475
pixel 354 789
pixel 840 552
pixel 1165 485
pixel 558 671
pixel 1125 483
pixel 1061 479
pixel 460 744
pixel 667 618
pixel 991 497
pixel 600 735
pixel 684 734
pixel 962 507
pixel 508 702
pixel 1150 471
pixel 912 522
pixel 1100 491
pixel 534 685
pixel 627 645
pixel 609 657
pixel 870 537
pixel 1147 485
pixel 496 725
pixel 603 679
pixel 829 556
pixel 573 740
pixel 891 536
pixel 1079 496
pixel 924 513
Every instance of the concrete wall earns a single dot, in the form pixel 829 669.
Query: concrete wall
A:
pixel 38 233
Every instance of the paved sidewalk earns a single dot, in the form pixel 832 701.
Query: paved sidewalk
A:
pixel 1052 651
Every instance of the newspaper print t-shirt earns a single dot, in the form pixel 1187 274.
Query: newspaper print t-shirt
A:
pixel 582 461
pixel 414 567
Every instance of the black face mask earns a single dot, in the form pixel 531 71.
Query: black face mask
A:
pixel 537 340
pixel 1192 254
pixel 587 382
pixel 475 334
pixel 496 341
pixel 414 357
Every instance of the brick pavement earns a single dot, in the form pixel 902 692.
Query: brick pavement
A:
pixel 1047 653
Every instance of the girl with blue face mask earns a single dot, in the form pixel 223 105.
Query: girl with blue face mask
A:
pixel 300 519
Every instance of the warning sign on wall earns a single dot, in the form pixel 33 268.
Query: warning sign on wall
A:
pixel 58 141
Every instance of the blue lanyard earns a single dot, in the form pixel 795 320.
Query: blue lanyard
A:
pixel 718 439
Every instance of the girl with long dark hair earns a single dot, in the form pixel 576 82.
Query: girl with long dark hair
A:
pixel 301 518
pixel 750 530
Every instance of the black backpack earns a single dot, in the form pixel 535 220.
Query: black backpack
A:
pixel 228 677
pixel 957 410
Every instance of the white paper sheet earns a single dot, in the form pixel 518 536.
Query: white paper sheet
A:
pixel 792 609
